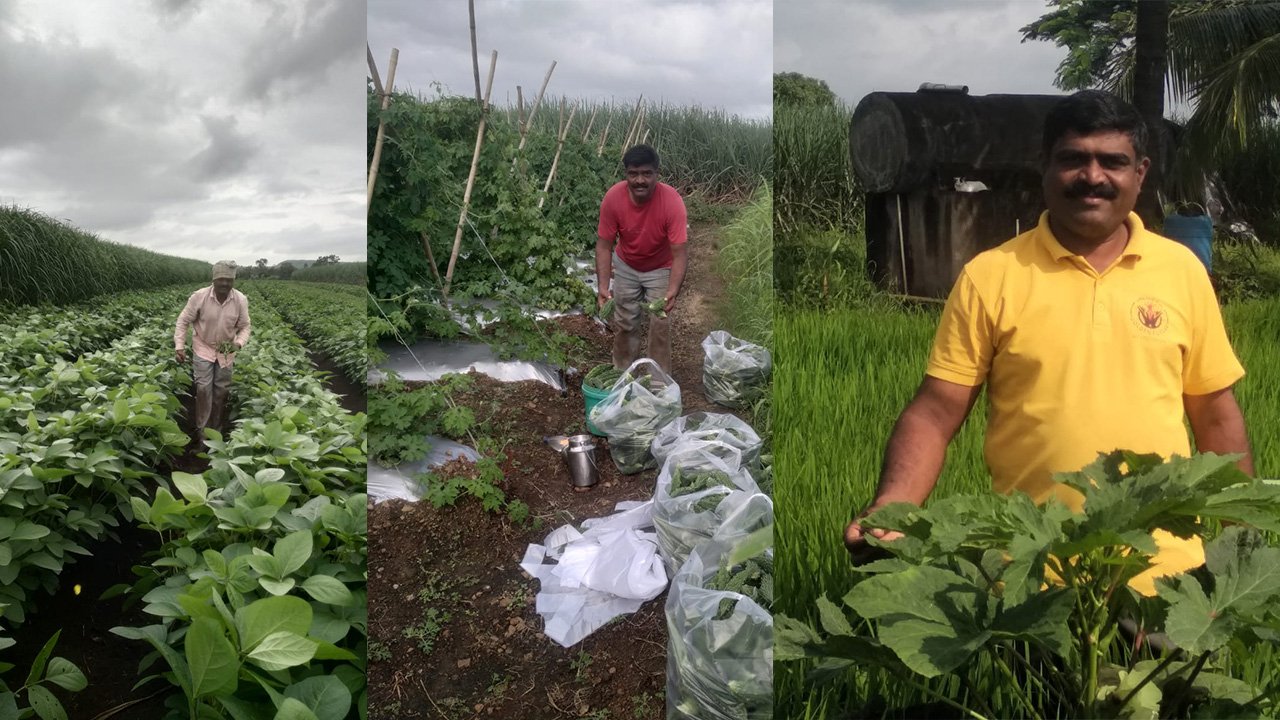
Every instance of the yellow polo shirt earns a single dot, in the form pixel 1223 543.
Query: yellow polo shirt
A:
pixel 1079 362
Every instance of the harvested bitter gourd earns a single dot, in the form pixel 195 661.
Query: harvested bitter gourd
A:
pixel 602 377
pixel 227 347
pixel 687 482
pixel 753 578
pixel 606 310
pixel 657 308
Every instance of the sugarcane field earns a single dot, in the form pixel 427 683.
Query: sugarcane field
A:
pixel 570 519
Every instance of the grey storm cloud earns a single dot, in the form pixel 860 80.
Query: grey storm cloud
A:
pixel 314 43
pixel 709 54
pixel 869 45
pixel 228 151
pixel 132 120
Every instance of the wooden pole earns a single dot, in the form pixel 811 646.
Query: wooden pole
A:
pixel 475 59
pixel 431 260
pixel 564 132
pixel 524 134
pixel 520 106
pixel 382 128
pixel 590 122
pixel 471 176
pixel 373 70
pixel 604 136
pixel 635 122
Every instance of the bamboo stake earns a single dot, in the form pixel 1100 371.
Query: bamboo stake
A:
pixel 590 122
pixel 471 176
pixel 564 132
pixel 604 136
pixel 431 260
pixel 475 59
pixel 382 128
pixel 645 139
pixel 524 133
pixel 373 70
pixel 520 105
pixel 635 122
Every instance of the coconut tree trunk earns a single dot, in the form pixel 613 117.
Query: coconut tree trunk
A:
pixel 1150 64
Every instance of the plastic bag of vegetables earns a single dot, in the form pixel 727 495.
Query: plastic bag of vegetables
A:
pixel 735 372
pixel 641 403
pixel 701 484
pixel 704 426
pixel 720 624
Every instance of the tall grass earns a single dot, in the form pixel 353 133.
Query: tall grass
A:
pixel 350 273
pixel 746 262
pixel 43 260
pixel 814 179
pixel 704 151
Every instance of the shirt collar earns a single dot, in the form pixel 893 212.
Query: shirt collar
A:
pixel 1136 247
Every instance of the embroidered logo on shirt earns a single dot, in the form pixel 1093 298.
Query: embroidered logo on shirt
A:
pixel 1149 315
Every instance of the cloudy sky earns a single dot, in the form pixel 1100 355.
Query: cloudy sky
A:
pixel 711 54
pixel 894 45
pixel 228 129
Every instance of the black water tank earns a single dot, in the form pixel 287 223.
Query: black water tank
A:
pixel 900 141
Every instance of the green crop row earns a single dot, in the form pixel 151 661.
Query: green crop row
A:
pixel 79 435
pixel 43 260
pixel 347 273
pixel 333 322
pixel 259 589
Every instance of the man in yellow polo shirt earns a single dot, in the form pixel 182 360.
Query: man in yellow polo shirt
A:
pixel 1090 332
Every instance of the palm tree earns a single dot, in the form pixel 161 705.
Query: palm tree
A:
pixel 1223 59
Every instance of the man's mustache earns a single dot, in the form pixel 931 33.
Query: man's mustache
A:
pixel 1080 190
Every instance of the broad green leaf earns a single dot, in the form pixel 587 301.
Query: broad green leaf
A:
pixel 1144 706
pixel 832 617
pixel 329 628
pixel 282 650
pixel 294 709
pixel 29 531
pixel 213 662
pixel 326 589
pixel 199 608
pixel 277 587
pixel 216 562
pixel 6 553
pixel 1246 586
pixel 270 615
pixel 45 704
pixel 42 657
pixel 326 696
pixel 293 551
pixel 1193 623
pixel 192 487
pixel 328 651
pixel 1041 619
pixel 933 619
pixel 8 706
pixel 64 673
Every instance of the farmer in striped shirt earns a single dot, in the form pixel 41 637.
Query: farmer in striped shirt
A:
pixel 219 317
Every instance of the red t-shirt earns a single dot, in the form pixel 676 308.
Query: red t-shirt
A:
pixel 645 232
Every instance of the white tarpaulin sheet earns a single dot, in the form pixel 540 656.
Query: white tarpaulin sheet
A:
pixel 608 569
pixel 399 483
pixel 433 359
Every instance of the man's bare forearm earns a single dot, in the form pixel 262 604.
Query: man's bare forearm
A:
pixel 1218 426
pixel 679 263
pixel 604 264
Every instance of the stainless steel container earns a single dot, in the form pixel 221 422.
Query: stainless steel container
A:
pixel 580 456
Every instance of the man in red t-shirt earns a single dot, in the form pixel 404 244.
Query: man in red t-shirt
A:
pixel 648 222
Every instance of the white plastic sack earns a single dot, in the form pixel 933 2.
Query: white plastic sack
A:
pixel 720 643
pixel 703 426
pixel 686 518
pixel 608 569
pixel 735 372
pixel 641 402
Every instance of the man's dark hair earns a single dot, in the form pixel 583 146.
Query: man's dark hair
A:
pixel 1091 111
pixel 639 155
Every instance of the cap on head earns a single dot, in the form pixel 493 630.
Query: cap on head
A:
pixel 224 269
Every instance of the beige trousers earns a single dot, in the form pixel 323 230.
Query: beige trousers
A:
pixel 212 386
pixel 632 288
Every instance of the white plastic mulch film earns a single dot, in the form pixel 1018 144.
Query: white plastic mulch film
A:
pixel 702 427
pixel 588 578
pixel 700 485
pixel 641 403
pixel 735 372
pixel 720 642
pixel 401 482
